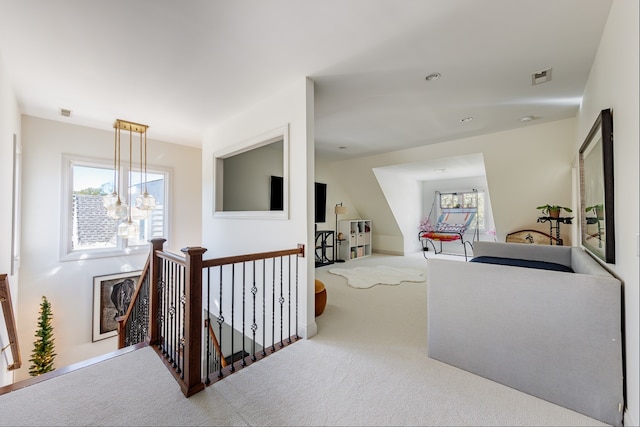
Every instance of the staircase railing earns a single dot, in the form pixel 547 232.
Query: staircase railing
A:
pixel 10 322
pixel 179 296
pixel 133 327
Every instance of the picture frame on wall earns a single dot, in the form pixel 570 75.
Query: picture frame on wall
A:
pixel 597 221
pixel 111 297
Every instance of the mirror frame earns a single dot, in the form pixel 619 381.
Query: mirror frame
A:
pixel 281 133
pixel 601 174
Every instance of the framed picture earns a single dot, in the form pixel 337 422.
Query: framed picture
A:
pixel 596 189
pixel 111 297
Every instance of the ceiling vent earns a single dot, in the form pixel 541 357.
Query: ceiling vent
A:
pixel 65 113
pixel 541 77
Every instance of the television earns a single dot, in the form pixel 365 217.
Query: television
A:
pixel 320 202
pixel 276 201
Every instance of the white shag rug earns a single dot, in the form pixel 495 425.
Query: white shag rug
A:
pixel 367 277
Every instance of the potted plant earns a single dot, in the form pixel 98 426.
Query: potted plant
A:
pixel 598 210
pixel 553 211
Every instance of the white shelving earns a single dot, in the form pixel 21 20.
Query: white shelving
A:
pixel 357 239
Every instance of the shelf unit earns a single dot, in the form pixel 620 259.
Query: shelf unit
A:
pixel 357 239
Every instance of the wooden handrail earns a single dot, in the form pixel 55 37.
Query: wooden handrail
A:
pixel 252 257
pixel 9 319
pixel 178 259
pixel 216 345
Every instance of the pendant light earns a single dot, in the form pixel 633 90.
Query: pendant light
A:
pixel 145 203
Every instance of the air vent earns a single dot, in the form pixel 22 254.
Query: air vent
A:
pixel 65 113
pixel 541 77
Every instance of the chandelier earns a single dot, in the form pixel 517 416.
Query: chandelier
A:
pixel 119 205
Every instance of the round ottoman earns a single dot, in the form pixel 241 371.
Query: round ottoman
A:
pixel 321 297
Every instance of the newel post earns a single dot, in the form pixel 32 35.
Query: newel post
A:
pixel 193 321
pixel 155 266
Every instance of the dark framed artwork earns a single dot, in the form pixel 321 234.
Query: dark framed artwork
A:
pixel 111 297
pixel 596 189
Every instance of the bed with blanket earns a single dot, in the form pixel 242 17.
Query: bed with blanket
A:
pixel 545 320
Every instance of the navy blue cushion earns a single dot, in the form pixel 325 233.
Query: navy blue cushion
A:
pixel 542 265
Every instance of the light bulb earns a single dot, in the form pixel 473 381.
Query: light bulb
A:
pixel 138 214
pixel 146 202
pixel 110 200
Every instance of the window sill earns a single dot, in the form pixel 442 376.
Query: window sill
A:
pixel 86 254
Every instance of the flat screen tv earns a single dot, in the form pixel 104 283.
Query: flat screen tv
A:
pixel 321 202
pixel 276 202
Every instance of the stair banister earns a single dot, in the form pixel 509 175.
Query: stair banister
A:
pixel 9 320
pixel 192 382
pixel 154 295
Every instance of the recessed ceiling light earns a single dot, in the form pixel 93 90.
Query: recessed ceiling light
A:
pixel 432 76
pixel 526 118
pixel 466 119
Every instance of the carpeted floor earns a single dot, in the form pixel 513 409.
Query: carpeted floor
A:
pixel 366 366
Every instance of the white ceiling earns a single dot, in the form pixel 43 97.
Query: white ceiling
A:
pixel 183 67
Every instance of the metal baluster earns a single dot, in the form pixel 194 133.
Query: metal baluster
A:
pixel 289 303
pixel 297 276
pixel 208 358
pixel 233 295
pixel 254 326
pixel 273 308
pixel 264 307
pixel 244 317
pixel 220 322
pixel 173 315
pixel 281 301
pixel 161 311
pixel 181 309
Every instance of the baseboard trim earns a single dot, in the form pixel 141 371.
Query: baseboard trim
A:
pixel 386 252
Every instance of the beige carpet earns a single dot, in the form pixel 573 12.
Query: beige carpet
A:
pixel 366 366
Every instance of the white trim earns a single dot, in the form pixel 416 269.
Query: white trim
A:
pixel 281 133
pixel 16 203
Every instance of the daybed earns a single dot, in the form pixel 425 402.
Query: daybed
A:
pixel 552 334
pixel 452 225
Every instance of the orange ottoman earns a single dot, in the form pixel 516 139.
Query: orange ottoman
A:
pixel 321 297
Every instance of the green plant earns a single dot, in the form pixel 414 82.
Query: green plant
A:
pixel 598 210
pixel 43 347
pixel 553 210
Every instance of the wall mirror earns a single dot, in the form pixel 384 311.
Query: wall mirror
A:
pixel 596 189
pixel 250 175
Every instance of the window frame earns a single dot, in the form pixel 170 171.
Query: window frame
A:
pixel 482 220
pixel 122 248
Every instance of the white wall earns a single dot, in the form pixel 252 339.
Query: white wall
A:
pixel 525 168
pixel 335 194
pixel 234 236
pixel 404 196
pixel 9 125
pixel 69 285
pixel 613 83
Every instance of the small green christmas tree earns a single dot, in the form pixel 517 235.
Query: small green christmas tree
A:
pixel 43 347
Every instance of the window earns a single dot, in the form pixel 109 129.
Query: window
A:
pixel 87 229
pixel 465 201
